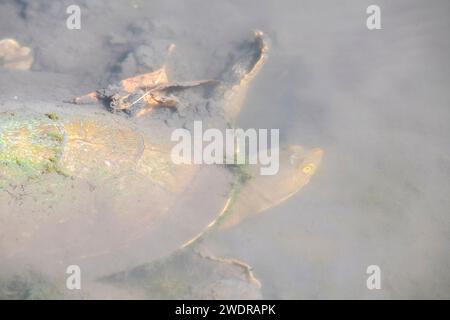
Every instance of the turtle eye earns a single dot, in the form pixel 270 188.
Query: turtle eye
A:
pixel 309 168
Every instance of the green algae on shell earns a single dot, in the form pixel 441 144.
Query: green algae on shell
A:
pixel 28 148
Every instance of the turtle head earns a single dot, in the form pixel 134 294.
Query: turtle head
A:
pixel 301 165
pixel 263 192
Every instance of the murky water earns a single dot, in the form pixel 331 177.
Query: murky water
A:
pixel 376 101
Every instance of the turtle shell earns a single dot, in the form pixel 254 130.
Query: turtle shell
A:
pixel 96 192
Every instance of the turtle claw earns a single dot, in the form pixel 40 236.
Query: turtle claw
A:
pixel 89 98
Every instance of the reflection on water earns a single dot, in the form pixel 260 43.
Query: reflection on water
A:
pixel 375 101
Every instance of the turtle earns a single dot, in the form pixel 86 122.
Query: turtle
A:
pixel 95 185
